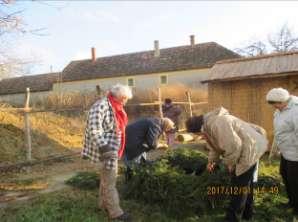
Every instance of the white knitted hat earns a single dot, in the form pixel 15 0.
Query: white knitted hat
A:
pixel 278 95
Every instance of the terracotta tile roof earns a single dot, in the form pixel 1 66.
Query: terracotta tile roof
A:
pixel 203 55
pixel 42 82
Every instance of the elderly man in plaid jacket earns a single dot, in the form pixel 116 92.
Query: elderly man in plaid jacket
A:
pixel 104 142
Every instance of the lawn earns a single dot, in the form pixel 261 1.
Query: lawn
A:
pixel 76 204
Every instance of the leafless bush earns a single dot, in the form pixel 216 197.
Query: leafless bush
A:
pixel 68 100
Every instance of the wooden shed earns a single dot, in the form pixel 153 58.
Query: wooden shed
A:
pixel 241 85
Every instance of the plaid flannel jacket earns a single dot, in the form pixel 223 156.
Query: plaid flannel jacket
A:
pixel 101 141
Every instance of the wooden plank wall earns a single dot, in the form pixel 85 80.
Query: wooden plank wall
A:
pixel 246 99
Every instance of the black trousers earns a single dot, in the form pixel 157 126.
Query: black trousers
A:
pixel 241 202
pixel 289 174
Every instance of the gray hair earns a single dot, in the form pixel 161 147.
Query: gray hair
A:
pixel 120 90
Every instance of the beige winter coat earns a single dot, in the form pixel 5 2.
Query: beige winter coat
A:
pixel 240 144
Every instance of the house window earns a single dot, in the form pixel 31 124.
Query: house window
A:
pixel 164 79
pixel 131 82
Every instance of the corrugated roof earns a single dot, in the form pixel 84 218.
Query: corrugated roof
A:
pixel 258 66
pixel 171 59
pixel 42 82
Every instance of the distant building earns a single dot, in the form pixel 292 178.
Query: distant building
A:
pixel 13 90
pixel 187 65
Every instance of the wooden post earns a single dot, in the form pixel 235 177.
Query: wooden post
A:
pixel 189 103
pixel 160 103
pixel 27 125
pixel 185 137
pixel 163 137
pixel 60 96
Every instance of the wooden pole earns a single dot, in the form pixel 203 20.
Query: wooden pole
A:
pixel 189 103
pixel 185 137
pixel 27 125
pixel 60 90
pixel 163 137
pixel 160 103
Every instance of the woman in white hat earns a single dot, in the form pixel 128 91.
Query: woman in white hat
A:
pixel 286 139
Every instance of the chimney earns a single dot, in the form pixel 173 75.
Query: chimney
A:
pixel 93 55
pixel 156 48
pixel 192 40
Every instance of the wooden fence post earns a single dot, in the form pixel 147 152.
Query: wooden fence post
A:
pixel 189 103
pixel 160 103
pixel 27 124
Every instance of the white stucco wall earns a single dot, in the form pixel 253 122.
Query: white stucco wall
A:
pixel 191 78
pixel 19 99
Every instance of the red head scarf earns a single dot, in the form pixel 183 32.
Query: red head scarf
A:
pixel 121 120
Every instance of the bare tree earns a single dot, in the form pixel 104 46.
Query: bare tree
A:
pixel 12 65
pixel 11 22
pixel 284 40
pixel 254 49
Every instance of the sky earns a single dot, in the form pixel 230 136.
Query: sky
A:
pixel 71 28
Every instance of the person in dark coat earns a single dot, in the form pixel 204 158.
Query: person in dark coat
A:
pixel 172 112
pixel 141 137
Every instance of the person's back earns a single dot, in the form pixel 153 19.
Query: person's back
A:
pixel 242 143
pixel 145 130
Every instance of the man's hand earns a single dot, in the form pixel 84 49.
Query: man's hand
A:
pixel 211 167
pixel 162 146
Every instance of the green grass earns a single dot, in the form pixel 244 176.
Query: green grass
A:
pixel 78 205
pixel 84 180
pixel 73 205
pixel 67 206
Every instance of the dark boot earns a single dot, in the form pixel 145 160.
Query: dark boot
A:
pixel 123 217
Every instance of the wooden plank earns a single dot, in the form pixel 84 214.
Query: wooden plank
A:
pixel 30 110
pixel 185 137
pixel 160 103
pixel 189 103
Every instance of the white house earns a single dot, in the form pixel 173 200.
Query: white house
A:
pixel 186 65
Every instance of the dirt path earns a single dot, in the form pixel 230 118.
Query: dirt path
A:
pixel 36 180
pixel 52 184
